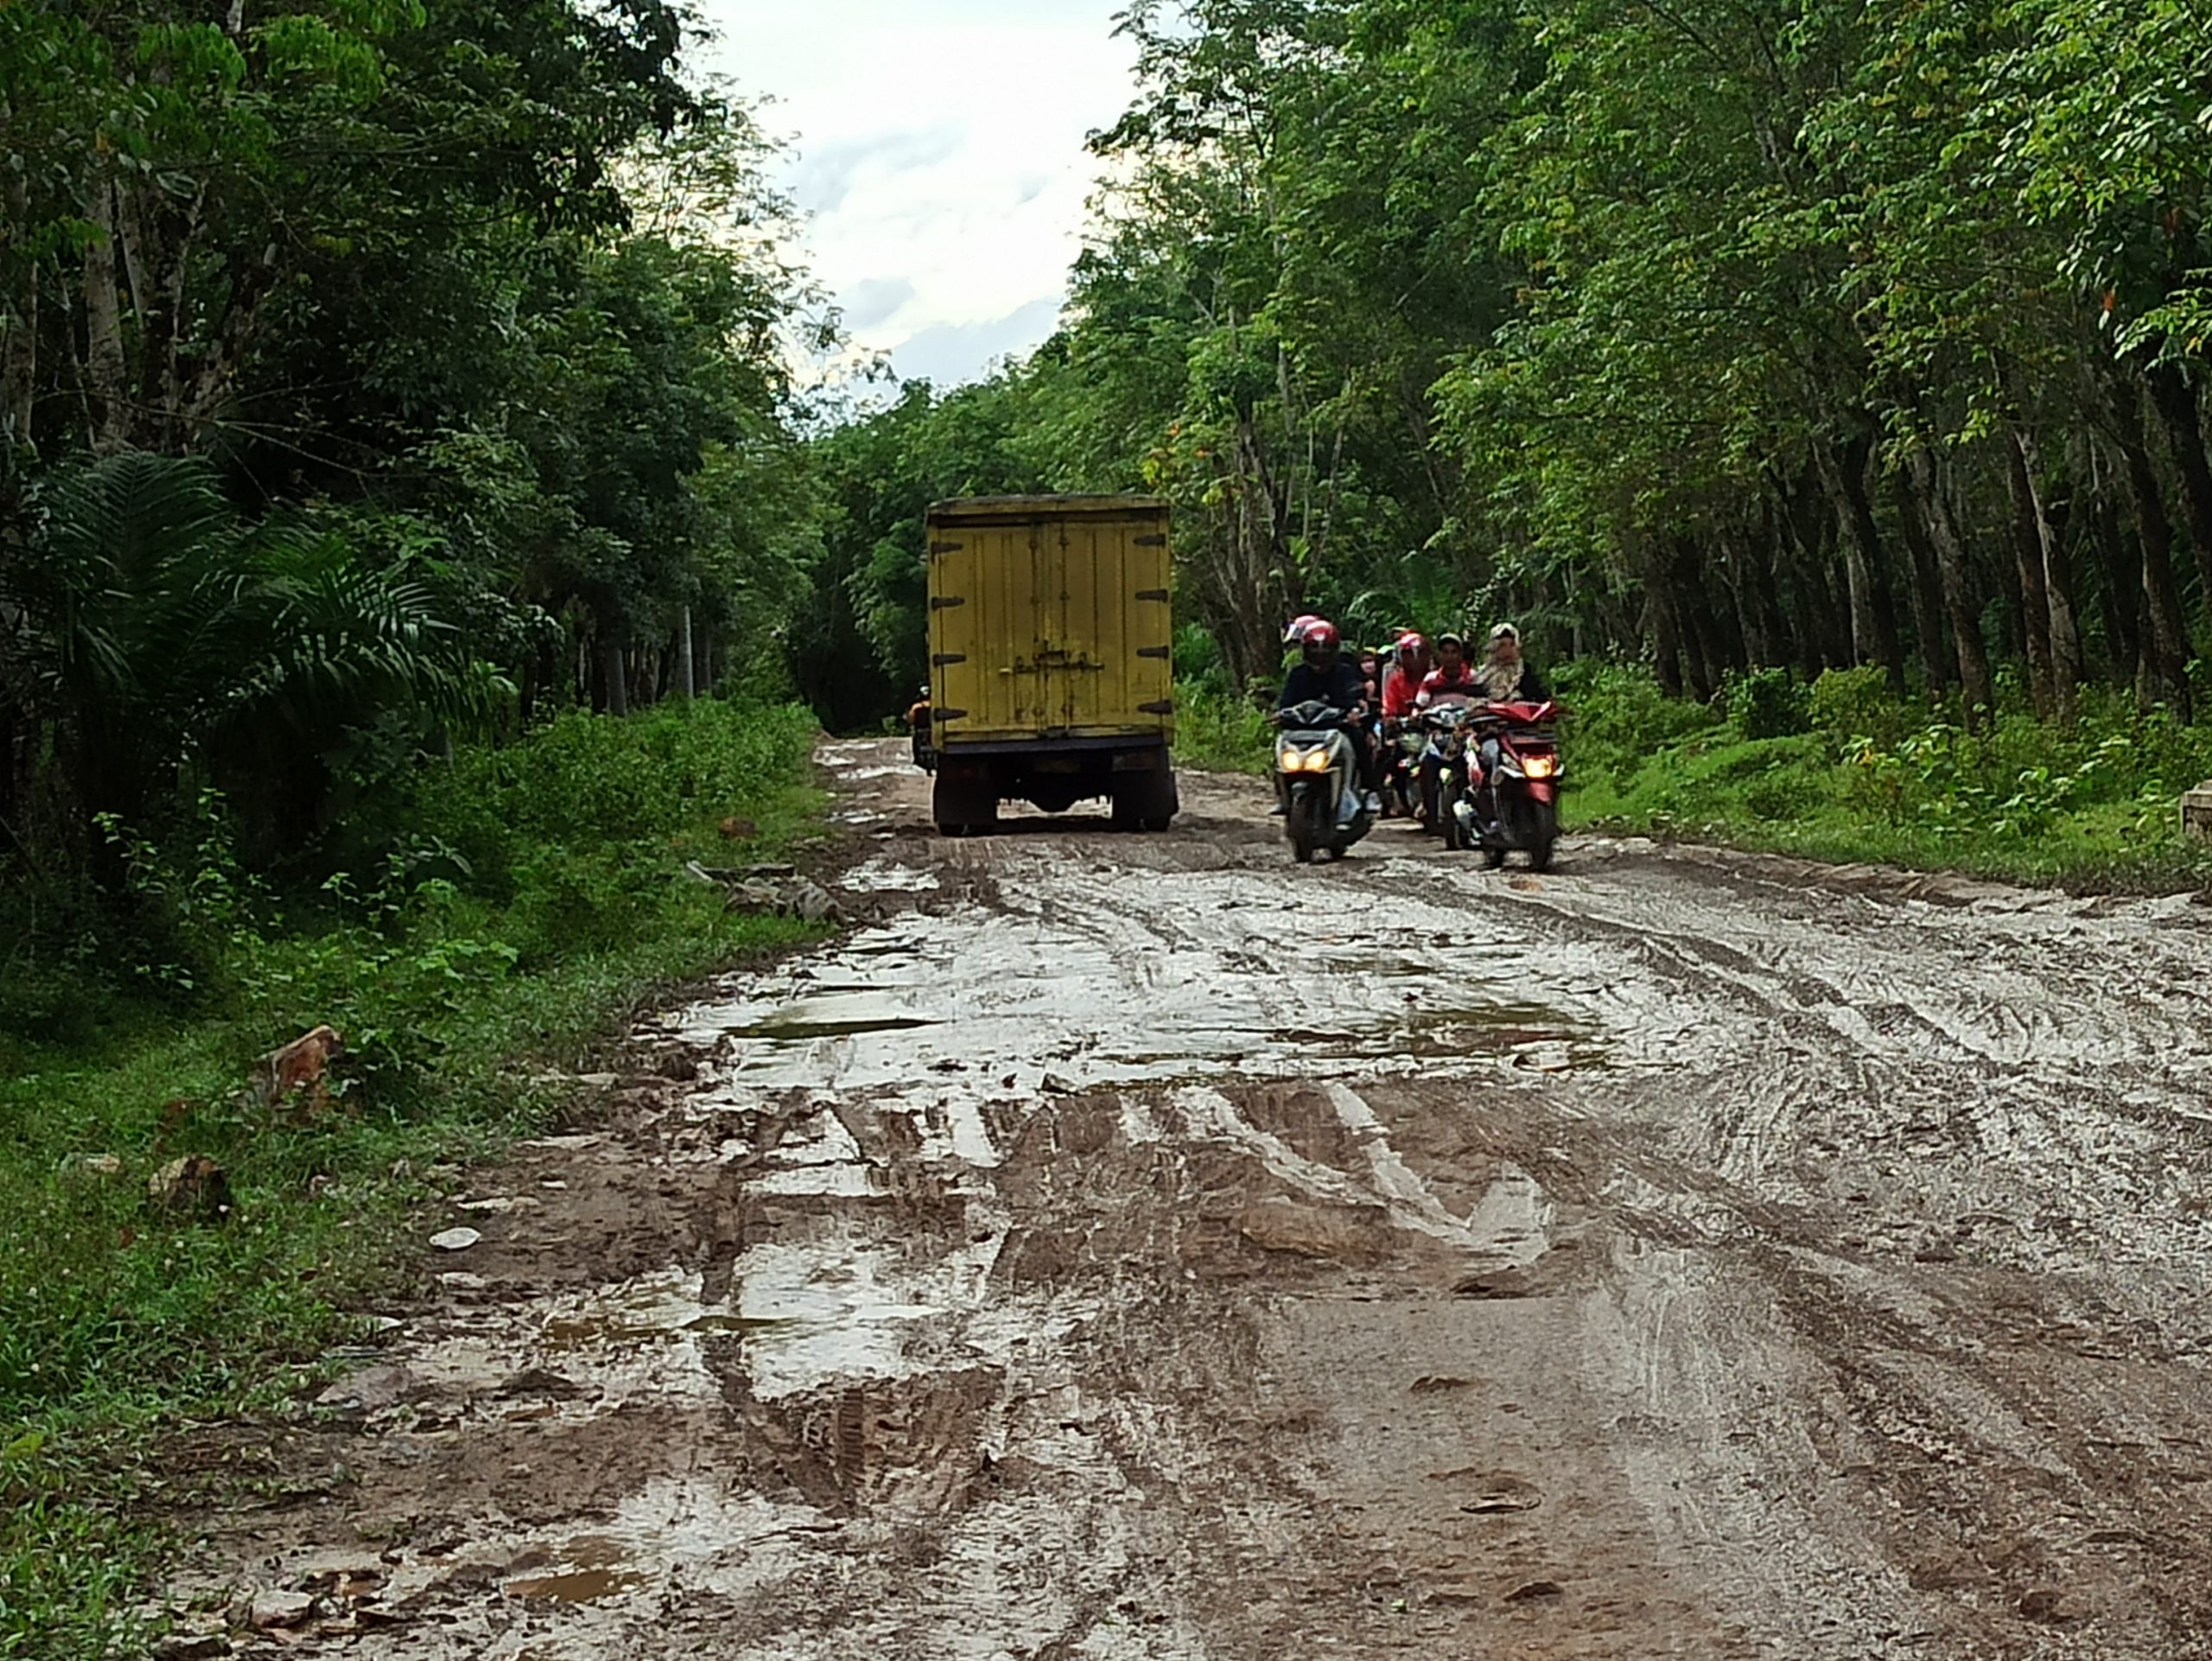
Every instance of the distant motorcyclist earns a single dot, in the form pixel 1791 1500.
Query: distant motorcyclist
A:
pixel 1506 677
pixel 918 728
pixel 1325 675
pixel 1401 681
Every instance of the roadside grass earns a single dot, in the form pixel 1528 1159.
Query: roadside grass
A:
pixel 1215 731
pixel 1843 771
pixel 540 903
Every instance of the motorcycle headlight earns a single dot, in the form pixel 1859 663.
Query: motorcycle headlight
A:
pixel 1540 766
pixel 1317 761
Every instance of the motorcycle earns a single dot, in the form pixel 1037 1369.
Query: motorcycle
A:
pixel 1442 769
pixel 1515 807
pixel 1402 743
pixel 1325 811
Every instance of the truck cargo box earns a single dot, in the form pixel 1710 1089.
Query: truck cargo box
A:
pixel 1051 648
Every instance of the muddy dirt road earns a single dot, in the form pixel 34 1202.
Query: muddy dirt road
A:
pixel 1136 1249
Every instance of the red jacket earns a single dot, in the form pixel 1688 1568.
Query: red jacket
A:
pixel 1466 685
pixel 1398 690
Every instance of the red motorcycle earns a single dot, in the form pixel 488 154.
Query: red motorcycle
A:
pixel 1510 802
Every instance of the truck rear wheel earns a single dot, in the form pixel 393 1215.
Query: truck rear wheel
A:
pixel 1145 801
pixel 962 808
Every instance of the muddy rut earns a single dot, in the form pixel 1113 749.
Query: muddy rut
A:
pixel 1137 1248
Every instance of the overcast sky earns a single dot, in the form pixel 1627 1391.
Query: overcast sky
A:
pixel 938 148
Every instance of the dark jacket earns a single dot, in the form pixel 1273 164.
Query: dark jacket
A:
pixel 1342 687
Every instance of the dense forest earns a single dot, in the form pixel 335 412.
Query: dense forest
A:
pixel 387 374
pixel 1707 335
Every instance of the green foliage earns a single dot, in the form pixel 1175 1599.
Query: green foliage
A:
pixel 1768 704
pixel 115 1321
pixel 1849 702
pixel 1216 730
pixel 2022 799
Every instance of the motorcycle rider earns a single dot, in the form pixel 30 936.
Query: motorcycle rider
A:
pixel 1506 677
pixel 1324 675
pixel 1454 676
pixel 1406 666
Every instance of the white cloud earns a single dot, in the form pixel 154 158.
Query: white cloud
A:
pixel 939 150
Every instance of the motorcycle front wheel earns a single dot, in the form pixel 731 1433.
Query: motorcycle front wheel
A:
pixel 1306 812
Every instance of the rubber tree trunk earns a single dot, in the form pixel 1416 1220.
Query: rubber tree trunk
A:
pixel 18 311
pixel 2043 557
pixel 1930 499
pixel 2162 675
pixel 1939 660
pixel 105 370
pixel 2035 595
pixel 1873 609
pixel 685 684
pixel 1662 627
pixel 2176 395
pixel 614 674
pixel 2121 570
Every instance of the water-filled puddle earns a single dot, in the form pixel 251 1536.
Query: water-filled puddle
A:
pixel 578 1586
pixel 852 1010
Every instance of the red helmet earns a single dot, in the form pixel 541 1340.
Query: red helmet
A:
pixel 1412 643
pixel 1322 635
pixel 1296 632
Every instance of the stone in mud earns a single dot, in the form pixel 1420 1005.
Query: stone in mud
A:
pixel 194 1185
pixel 372 1391
pixel 541 1384
pixel 192 1646
pixel 455 1239
pixel 273 1611
pixel 812 903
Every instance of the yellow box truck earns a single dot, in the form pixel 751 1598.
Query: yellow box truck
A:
pixel 1051 677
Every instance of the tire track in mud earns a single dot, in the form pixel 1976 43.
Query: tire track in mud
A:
pixel 1130 1247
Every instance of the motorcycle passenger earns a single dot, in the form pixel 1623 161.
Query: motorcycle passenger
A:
pixel 1507 678
pixel 1402 682
pixel 1325 675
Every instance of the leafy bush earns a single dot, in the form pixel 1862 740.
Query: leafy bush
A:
pixel 1768 704
pixel 1849 704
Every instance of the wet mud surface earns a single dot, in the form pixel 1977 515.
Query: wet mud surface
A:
pixel 1136 1248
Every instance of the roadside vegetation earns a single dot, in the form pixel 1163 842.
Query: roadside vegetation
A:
pixel 534 894
pixel 1842 770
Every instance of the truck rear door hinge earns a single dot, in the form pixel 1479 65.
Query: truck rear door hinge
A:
pixel 943 659
pixel 1159 706
pixel 947 602
pixel 948 715
pixel 1159 541
pixel 1155 652
pixel 1158 595
pixel 936 547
